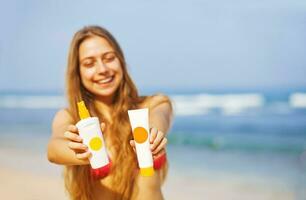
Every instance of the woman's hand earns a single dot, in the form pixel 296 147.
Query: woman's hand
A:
pixel 158 142
pixel 75 142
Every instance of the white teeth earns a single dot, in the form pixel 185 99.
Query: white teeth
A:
pixel 106 80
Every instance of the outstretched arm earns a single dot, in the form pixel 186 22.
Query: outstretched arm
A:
pixel 65 146
pixel 160 121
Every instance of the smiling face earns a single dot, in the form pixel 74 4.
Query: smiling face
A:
pixel 100 68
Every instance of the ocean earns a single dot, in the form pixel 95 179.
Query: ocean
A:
pixel 257 137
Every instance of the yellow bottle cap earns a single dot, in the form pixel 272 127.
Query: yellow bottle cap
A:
pixel 149 171
pixel 83 112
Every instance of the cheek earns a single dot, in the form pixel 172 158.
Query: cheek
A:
pixel 118 69
pixel 87 74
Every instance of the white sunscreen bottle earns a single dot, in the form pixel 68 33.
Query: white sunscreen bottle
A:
pixel 90 131
pixel 139 120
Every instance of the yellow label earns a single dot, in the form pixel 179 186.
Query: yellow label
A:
pixel 95 143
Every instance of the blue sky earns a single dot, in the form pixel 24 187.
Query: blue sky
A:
pixel 168 44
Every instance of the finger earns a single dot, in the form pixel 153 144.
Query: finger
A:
pixel 72 136
pixel 153 134
pixel 84 155
pixel 161 146
pixel 132 143
pixel 102 126
pixel 160 153
pixel 77 146
pixel 158 139
pixel 72 128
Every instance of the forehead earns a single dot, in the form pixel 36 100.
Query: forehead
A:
pixel 94 46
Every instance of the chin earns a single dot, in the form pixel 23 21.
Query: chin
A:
pixel 108 92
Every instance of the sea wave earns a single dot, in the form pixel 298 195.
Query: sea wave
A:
pixel 184 105
pixel 297 100
pixel 228 104
pixel 32 102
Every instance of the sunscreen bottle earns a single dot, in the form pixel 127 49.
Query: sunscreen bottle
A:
pixel 139 120
pixel 90 131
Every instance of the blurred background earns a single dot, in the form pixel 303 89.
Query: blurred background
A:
pixel 235 71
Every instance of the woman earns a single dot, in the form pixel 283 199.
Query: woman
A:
pixel 97 74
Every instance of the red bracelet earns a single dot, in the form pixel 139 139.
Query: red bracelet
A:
pixel 101 172
pixel 159 162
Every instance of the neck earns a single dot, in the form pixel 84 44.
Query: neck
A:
pixel 104 107
pixel 107 101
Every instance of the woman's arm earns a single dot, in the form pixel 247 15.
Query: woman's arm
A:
pixel 65 147
pixel 160 121
pixel 161 113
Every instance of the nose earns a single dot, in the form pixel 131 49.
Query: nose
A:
pixel 101 67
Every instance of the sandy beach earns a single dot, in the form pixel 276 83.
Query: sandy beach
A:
pixel 29 176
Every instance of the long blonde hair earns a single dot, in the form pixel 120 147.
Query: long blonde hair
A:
pixel 78 181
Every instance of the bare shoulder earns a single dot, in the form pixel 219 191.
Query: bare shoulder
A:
pixel 158 101
pixel 161 112
pixel 61 119
pixel 62 115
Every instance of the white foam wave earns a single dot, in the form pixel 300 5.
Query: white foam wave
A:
pixel 297 100
pixel 32 102
pixel 197 104
pixel 229 104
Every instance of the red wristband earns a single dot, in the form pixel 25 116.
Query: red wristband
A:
pixel 101 172
pixel 159 162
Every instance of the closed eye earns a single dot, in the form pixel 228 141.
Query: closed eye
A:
pixel 109 57
pixel 88 63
